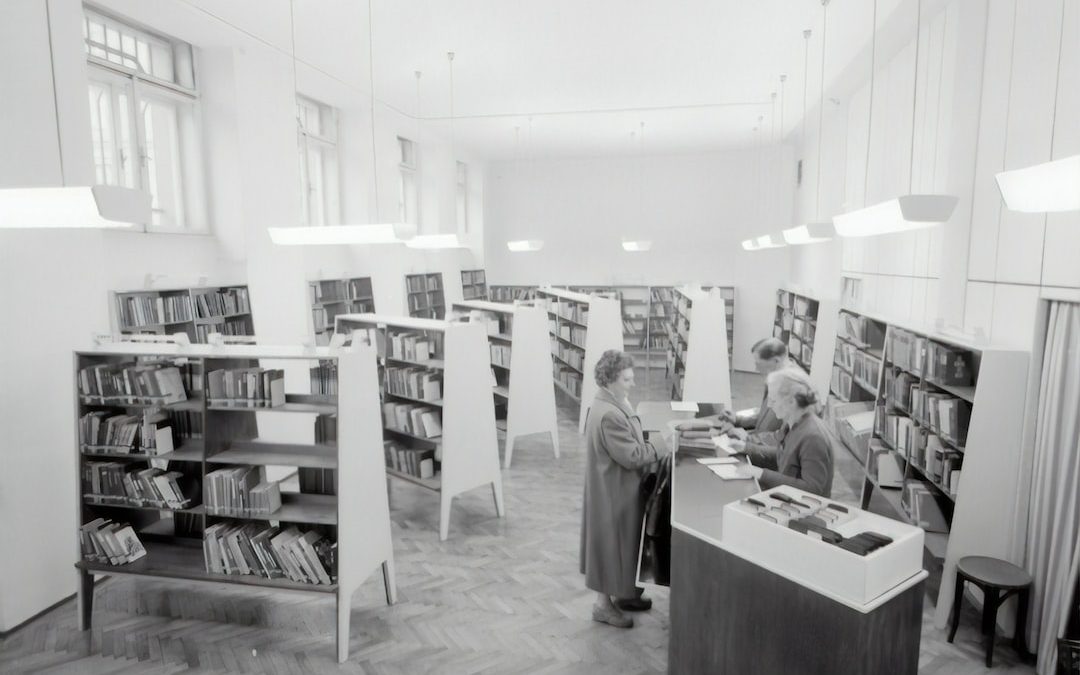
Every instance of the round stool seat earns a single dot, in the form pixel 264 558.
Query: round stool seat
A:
pixel 993 572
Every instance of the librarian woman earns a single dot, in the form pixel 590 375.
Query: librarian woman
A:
pixel 616 456
pixel 804 458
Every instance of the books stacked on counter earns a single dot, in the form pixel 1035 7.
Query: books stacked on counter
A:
pixel 307 557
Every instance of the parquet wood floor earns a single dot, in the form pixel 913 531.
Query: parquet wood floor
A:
pixel 500 596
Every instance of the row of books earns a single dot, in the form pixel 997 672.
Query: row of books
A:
pixel 241 491
pixel 414 382
pixel 473 277
pixel 512 293
pixel 360 289
pixel 410 346
pixel 323 318
pixel 418 462
pixel 229 327
pixel 413 419
pixel 225 302
pixel 841 383
pixel 866 369
pixel 111 543
pixel 921 507
pixel 943 413
pixel 938 362
pixel 861 330
pixel 845 354
pixel 572 311
pixel 941 464
pixel 324 378
pixel 151 431
pixel 418 283
pixel 270 552
pixel 160 382
pixel 569 378
pixel 569 355
pixel 422 301
pixel 500 355
pixel 804 329
pixel 122 483
pixel 253 387
pixel 147 310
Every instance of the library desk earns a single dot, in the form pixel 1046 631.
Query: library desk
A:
pixel 732 615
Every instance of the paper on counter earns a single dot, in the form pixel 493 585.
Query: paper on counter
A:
pixel 717 460
pixel 723 442
pixel 729 472
pixel 684 406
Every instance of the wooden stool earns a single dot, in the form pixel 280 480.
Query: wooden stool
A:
pixel 997 580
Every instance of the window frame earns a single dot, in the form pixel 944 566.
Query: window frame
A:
pixel 408 172
pixel 331 185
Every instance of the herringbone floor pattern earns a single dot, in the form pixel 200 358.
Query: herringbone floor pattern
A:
pixel 500 596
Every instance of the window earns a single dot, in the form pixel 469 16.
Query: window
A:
pixel 317 124
pixel 144 119
pixel 463 196
pixel 409 189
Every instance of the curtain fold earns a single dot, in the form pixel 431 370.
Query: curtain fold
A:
pixel 1053 541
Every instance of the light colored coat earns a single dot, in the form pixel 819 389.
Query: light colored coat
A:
pixel 615 455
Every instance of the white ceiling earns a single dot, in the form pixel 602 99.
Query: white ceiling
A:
pixel 699 73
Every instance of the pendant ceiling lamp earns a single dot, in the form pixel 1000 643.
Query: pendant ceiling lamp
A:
pixel 816 231
pixel 639 245
pixel 905 212
pixel 526 245
pixel 347 235
pixel 768 240
pixel 81 206
pixel 1050 187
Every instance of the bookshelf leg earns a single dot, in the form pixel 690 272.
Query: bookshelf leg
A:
pixel 388 581
pixel 86 600
pixel 555 438
pixel 444 516
pixel 344 605
pixel 496 491
pixel 864 500
pixel 509 449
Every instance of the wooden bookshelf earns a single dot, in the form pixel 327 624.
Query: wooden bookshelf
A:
pixel 581 328
pixel 958 471
pixel 857 357
pixel 699 357
pixel 351 511
pixel 524 393
pixel 195 311
pixel 807 325
pixel 466 452
pixel 503 293
pixel 331 297
pixel 474 285
pixel 425 296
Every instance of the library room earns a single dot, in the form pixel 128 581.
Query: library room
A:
pixel 400 337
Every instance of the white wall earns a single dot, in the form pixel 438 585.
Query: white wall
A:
pixel 695 209
pixel 54 286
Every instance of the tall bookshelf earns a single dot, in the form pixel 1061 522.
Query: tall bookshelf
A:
pixel 474 285
pixel 504 293
pixel 948 416
pixel 331 297
pixel 347 509
pixel 196 311
pixel 524 394
pixel 581 328
pixel 699 356
pixel 425 296
pixel 459 437
pixel 807 325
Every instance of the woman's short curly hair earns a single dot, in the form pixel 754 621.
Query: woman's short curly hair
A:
pixel 611 363
pixel 794 383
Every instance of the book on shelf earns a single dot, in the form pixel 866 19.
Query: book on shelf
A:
pixel 922 508
pixel 414 382
pixel 949 366
pixel 146 310
pixel 414 419
pixel 308 557
pixel 500 355
pixel 324 378
pixel 410 347
pixel 253 387
pixel 222 302
pixel 418 462
pixel 161 383
pixel 120 483
pixel 111 543
pixel 149 433
pixel 241 491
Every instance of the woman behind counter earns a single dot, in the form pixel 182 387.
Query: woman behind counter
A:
pixel 616 454
pixel 804 458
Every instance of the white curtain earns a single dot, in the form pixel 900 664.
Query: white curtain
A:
pixel 1053 542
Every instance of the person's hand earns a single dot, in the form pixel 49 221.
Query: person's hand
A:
pixel 736 432
pixel 728 416
pixel 738 446
pixel 749 471
pixel 661 446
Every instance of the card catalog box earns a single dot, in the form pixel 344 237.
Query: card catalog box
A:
pixel 824 567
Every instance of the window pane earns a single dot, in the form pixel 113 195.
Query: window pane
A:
pixel 164 170
pixel 115 163
pixel 101 133
pixel 162 61
pixel 97 32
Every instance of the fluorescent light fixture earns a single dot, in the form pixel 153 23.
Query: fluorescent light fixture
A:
pixel 525 245
pixel 769 241
pixel 905 213
pixel 342 235
pixel 98 206
pixel 636 246
pixel 1049 187
pixel 434 241
pixel 810 233
pixel 749 244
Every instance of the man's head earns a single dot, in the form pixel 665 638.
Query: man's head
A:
pixel 770 354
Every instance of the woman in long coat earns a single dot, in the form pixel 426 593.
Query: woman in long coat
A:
pixel 616 454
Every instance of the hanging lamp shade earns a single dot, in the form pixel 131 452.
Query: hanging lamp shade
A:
pixel 525 245
pixel 343 235
pixel 637 246
pixel 1050 187
pixel 97 206
pixel 902 214
pixel 769 241
pixel 749 244
pixel 809 233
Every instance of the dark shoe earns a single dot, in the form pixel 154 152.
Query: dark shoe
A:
pixel 612 617
pixel 639 604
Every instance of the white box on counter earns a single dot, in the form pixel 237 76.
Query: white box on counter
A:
pixel 820 566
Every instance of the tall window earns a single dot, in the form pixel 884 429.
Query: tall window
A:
pixel 144 120
pixel 463 196
pixel 409 188
pixel 318 162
